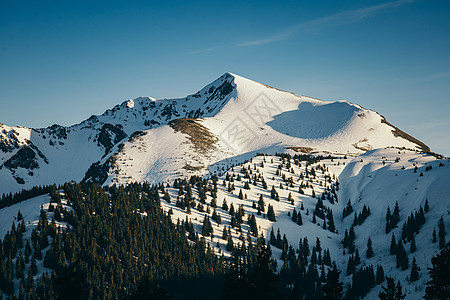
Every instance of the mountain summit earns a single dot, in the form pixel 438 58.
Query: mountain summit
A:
pixel 227 121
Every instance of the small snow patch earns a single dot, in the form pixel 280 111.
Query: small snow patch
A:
pixel 130 103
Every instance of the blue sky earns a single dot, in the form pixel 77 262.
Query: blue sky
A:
pixel 61 61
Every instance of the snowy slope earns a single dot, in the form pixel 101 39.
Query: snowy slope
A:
pixel 376 179
pixel 368 182
pixel 379 185
pixel 258 118
pixel 145 138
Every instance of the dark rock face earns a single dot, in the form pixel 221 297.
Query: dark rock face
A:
pixel 10 143
pixel 109 136
pixel 98 173
pixel 24 158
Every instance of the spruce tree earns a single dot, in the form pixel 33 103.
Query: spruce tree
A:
pixel 391 291
pixel 331 226
pixel 299 219
pixel 261 203
pixel 224 205
pixel 33 266
pixel 414 275
pixel 263 278
pixel 379 275
pixel 393 248
pixel 272 238
pixel 225 234
pixel 273 192
pixel 253 225
pixel 294 216
pixel 441 233
pixel 333 288
pixel 427 207
pixel 207 229
pixel 439 285
pixel 401 256
pixel 291 199
pixel 369 252
pixel 434 239
pixel 20 266
pixel 230 244
pixel 271 214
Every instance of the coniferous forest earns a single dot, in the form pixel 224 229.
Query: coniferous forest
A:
pixel 109 250
pixel 118 242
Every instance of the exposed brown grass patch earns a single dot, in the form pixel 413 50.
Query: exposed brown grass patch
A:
pixel 301 149
pixel 399 133
pixel 200 137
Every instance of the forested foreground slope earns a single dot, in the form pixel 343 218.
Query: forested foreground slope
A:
pixel 282 225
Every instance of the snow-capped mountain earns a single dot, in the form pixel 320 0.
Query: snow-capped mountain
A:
pixel 227 121
pixel 271 150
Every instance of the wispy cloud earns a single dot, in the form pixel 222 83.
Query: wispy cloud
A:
pixel 345 17
pixel 200 51
pixel 436 76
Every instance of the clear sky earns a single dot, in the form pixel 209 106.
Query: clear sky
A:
pixel 62 61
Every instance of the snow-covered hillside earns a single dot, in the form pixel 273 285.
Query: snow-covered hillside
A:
pixel 157 140
pixel 377 180
pixel 296 181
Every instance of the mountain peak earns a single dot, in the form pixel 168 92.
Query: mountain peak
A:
pixel 265 118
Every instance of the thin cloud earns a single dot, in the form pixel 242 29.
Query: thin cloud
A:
pixel 437 76
pixel 203 50
pixel 345 17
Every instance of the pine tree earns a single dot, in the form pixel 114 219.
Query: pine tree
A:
pixel 434 240
pixel 388 220
pixel 401 256
pixel 427 207
pixel 225 205
pixel 246 186
pixel 347 210
pixel 261 203
pixel 241 196
pixel 414 275
pixel 333 288
pixel 27 251
pixel 291 199
pixel 391 291
pixel 216 217
pixel 263 278
pixel 279 242
pixel 441 233
pixel 33 266
pixel 393 248
pixel 369 252
pixel 253 226
pixel 225 234
pixel 380 275
pixel 207 229
pixel 331 226
pixel 272 238
pixel 230 244
pixel 271 214
pixel 439 285
pixel 20 266
pixel 273 192
pixel 396 213
pixel 299 219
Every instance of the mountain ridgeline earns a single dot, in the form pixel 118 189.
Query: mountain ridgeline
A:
pixel 103 148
